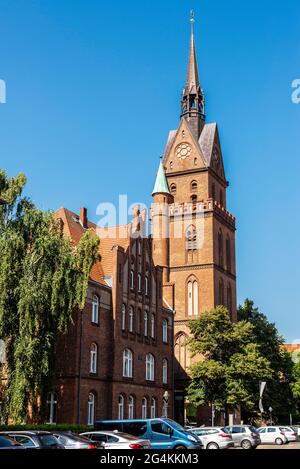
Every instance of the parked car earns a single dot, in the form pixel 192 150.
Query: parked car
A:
pixel 35 439
pixel 214 437
pixel 118 440
pixel 245 436
pixel 290 433
pixel 297 429
pixel 71 440
pixel 8 443
pixel 273 435
pixel 163 433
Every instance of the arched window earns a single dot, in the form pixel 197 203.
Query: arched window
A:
pixel 153 408
pixel 127 363
pixel 191 238
pixel 93 358
pixel 139 247
pixel 145 324
pixel 131 279
pixel 149 367
pixel 165 371
pixel 194 199
pixel 131 319
pixel 123 317
pixel 194 186
pixel 173 189
pixel 221 292
pixel 153 326
pixel 51 407
pixel 192 296
pixel 229 298
pixel 165 331
pixel 121 407
pixel 95 309
pixel 91 409
pixel 139 321
pixel 220 247
pixel 139 282
pixel 146 286
pixel 130 407
pixel 228 254
pixel 144 407
pixel 182 354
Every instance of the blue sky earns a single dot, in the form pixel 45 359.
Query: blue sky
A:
pixel 93 87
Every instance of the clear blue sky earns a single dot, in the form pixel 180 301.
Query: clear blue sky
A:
pixel 93 88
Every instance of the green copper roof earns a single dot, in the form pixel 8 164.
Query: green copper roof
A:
pixel 161 183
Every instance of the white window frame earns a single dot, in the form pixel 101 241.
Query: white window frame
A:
pixel 127 363
pixel 52 403
pixel 150 367
pixel 131 279
pixel 165 331
pixel 93 357
pixel 146 286
pixel 139 276
pixel 91 409
pixel 145 323
pixel 165 371
pixel 121 407
pixel 153 326
pixel 123 319
pixel 144 407
pixel 131 319
pixel 95 309
pixel 130 407
pixel 153 408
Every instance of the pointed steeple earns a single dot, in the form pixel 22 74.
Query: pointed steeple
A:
pixel 192 103
pixel 161 184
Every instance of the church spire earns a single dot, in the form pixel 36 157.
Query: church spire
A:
pixel 192 103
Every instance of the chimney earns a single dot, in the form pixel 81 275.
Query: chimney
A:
pixel 83 217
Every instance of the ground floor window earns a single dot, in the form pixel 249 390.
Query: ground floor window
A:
pixel 91 409
pixel 51 407
pixel 153 408
pixel 121 407
pixel 144 407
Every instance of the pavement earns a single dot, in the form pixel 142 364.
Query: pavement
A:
pixel 290 445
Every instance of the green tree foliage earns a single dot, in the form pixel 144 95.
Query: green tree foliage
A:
pixel 278 393
pixel 295 386
pixel 230 364
pixel 43 279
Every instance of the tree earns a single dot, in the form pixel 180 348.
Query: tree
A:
pixel 295 385
pixel 43 279
pixel 278 394
pixel 230 364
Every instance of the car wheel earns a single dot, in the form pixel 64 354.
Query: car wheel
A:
pixel 246 444
pixel 212 446
pixel 279 441
pixel 180 447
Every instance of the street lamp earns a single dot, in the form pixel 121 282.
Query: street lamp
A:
pixel 166 396
pixel 271 410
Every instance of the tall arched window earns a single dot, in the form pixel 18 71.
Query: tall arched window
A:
pixel 93 358
pixel 228 254
pixel 153 326
pixel 131 279
pixel 173 189
pixel 229 298
pixel 192 296
pixel 145 324
pixel 139 321
pixel 146 286
pixel 182 354
pixel 131 407
pixel 127 363
pixel 51 407
pixel 165 331
pixel 139 282
pixel 131 319
pixel 221 292
pixel 191 238
pixel 153 408
pixel 194 186
pixel 123 317
pixel 121 407
pixel 95 309
pixel 165 371
pixel 144 407
pixel 91 409
pixel 220 247
pixel 149 367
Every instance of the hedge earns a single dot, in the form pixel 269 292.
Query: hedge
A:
pixel 47 427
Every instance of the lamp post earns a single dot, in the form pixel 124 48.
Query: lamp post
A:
pixel 271 420
pixel 166 396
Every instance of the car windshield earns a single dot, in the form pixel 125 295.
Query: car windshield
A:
pixel 175 425
pixel 48 440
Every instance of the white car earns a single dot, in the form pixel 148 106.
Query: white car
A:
pixel 276 435
pixel 290 433
pixel 118 440
pixel 214 437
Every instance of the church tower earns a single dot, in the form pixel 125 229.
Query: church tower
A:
pixel 201 249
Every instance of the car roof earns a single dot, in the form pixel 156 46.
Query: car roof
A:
pixel 25 432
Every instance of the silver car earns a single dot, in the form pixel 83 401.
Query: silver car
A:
pixel 118 440
pixel 245 436
pixel 213 437
pixel 273 435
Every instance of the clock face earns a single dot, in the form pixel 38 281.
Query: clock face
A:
pixel 183 151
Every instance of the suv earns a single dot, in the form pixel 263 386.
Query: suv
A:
pixel 245 436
